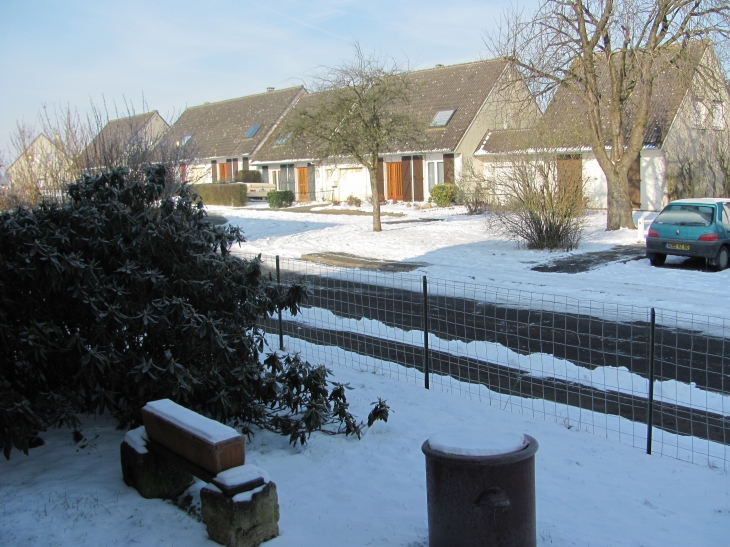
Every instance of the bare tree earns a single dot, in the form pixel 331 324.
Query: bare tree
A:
pixel 609 53
pixel 361 111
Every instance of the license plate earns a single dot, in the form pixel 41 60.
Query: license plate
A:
pixel 679 246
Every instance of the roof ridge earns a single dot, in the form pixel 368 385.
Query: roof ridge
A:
pixel 441 67
pixel 123 118
pixel 246 96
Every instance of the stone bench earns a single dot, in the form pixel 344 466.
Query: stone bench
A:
pixel 239 505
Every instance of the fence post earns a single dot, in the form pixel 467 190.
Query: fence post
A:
pixel 650 413
pixel 425 332
pixel 281 327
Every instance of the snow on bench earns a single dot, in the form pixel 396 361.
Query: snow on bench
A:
pixel 210 446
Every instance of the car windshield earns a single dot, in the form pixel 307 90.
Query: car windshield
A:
pixel 685 214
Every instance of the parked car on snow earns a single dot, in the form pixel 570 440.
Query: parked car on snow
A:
pixel 691 227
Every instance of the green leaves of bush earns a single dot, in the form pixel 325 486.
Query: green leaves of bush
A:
pixel 121 297
pixel 444 194
pixel 280 198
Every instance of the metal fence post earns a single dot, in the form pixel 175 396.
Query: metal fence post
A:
pixel 281 326
pixel 650 413
pixel 425 332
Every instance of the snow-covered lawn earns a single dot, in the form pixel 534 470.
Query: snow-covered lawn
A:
pixel 471 249
pixel 336 491
pixel 591 491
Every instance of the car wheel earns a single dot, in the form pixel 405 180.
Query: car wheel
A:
pixel 658 259
pixel 722 259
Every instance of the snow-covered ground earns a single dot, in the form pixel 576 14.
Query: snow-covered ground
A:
pixel 471 249
pixel 591 491
pixel 336 491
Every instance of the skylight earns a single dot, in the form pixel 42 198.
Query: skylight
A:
pixel 185 139
pixel 442 117
pixel 252 131
pixel 282 139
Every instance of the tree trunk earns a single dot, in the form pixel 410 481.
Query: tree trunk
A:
pixel 376 198
pixel 619 214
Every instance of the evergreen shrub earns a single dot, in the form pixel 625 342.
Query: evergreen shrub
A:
pixel 280 198
pixel 230 194
pixel 121 296
pixel 444 194
pixel 251 175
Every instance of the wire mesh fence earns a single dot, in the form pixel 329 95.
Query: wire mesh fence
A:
pixel 581 363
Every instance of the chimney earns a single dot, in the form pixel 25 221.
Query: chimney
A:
pixel 269 89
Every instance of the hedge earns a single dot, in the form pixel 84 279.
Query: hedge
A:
pixel 231 194
pixel 279 199
pixel 251 175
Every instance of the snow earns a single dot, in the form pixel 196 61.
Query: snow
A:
pixel 593 485
pixel 241 474
pixel 472 249
pixel 476 442
pixel 205 428
pixel 343 491
pixel 137 439
pixel 538 365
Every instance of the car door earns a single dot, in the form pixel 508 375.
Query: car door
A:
pixel 725 230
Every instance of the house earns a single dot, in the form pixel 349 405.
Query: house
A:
pixel 127 141
pixel 223 136
pixel 457 103
pixel 688 118
pixel 43 165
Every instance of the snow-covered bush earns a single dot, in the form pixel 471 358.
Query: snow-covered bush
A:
pixel 120 297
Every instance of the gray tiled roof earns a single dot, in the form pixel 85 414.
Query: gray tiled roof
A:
pixel 464 87
pixel 121 129
pixel 218 129
pixel 565 123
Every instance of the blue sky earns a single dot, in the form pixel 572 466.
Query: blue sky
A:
pixel 182 53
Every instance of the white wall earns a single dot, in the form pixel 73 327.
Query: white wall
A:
pixel 653 180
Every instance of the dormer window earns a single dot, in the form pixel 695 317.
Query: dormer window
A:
pixel 442 117
pixel 282 139
pixel 252 131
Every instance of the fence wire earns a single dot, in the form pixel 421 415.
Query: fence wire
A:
pixel 581 363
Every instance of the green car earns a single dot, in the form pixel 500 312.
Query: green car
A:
pixel 691 227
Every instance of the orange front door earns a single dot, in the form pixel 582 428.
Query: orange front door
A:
pixel 302 184
pixel 395 180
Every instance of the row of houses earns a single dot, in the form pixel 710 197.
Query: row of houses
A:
pixel 479 115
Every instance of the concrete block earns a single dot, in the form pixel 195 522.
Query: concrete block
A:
pixel 151 475
pixel 245 520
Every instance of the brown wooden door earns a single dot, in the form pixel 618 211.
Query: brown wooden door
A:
pixel 407 175
pixel 302 184
pixel 418 178
pixel 449 177
pixel 395 180
pixel 635 184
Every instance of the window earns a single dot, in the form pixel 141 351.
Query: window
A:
pixel 282 139
pixel 435 173
pixel 699 115
pixel 726 216
pixel 252 131
pixel 442 117
pixel 185 139
pixel 718 117
pixel 274 177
